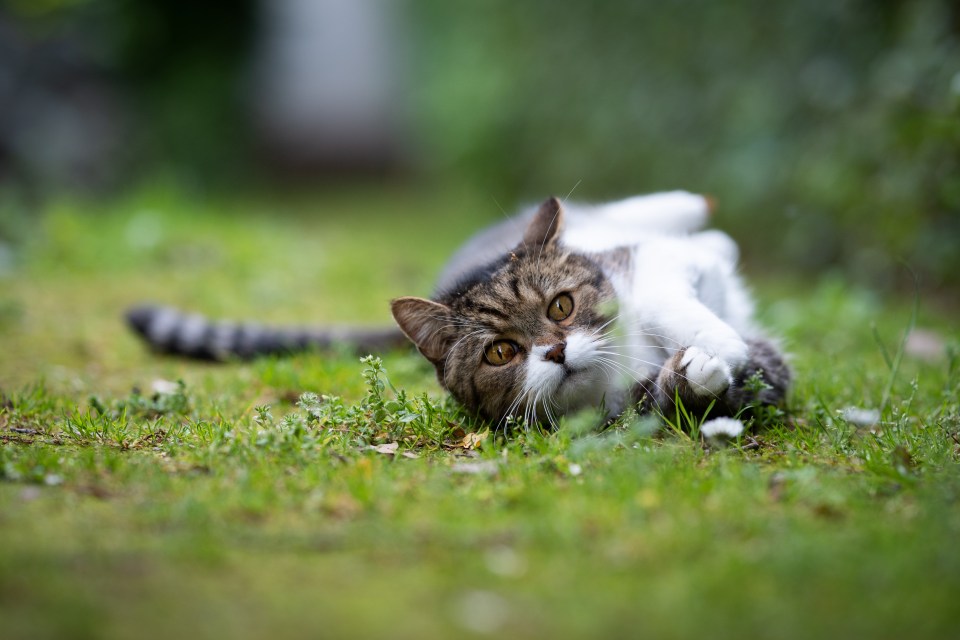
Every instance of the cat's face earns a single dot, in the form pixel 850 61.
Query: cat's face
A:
pixel 524 337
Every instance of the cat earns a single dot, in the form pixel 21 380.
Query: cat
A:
pixel 565 307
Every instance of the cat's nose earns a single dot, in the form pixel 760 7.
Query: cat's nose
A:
pixel 556 353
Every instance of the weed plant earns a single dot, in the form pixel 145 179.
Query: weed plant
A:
pixel 316 495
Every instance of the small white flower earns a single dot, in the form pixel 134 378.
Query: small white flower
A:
pixel 721 427
pixel 859 417
pixel 505 561
pixel 164 387
pixel 52 480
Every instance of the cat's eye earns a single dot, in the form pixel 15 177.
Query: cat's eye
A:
pixel 500 352
pixel 560 308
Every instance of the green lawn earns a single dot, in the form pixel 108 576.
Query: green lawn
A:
pixel 205 514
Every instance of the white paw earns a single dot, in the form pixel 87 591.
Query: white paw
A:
pixel 707 375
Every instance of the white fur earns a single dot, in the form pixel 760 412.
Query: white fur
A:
pixel 580 381
pixel 721 427
pixel 626 222
pixel 683 292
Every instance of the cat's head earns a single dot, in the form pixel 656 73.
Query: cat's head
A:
pixel 523 336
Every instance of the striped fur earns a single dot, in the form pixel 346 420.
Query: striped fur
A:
pixel 170 331
pixel 651 311
pixel 739 398
pixel 507 298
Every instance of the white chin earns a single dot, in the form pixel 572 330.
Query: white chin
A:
pixel 577 390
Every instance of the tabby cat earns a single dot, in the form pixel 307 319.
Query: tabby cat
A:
pixel 562 308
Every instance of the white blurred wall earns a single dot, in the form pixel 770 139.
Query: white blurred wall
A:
pixel 326 81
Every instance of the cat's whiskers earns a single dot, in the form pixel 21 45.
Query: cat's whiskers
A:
pixel 570 193
pixel 652 364
pixel 458 322
pixel 617 368
pixel 545 401
pixel 544 398
pixel 453 323
pixel 541 397
pixel 499 206
pixel 622 341
pixel 604 336
pixel 645 334
pixel 447 371
pixel 511 410
pixel 456 345
pixel 526 413
pixel 460 341
pixel 558 409
pixel 509 413
pixel 533 406
pixel 551 418
pixel 534 412
pixel 459 325
pixel 620 346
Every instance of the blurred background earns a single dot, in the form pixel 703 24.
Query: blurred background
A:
pixel 829 131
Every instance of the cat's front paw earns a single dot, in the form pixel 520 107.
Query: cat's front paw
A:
pixel 695 377
pixel 706 375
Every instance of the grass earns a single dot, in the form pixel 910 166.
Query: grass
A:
pixel 236 506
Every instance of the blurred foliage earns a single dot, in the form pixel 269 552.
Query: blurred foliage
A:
pixel 174 70
pixel 371 510
pixel 186 62
pixel 830 132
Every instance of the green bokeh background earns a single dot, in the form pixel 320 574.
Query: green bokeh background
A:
pixel 829 132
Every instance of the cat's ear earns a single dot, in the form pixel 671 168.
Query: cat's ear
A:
pixel 546 225
pixel 426 323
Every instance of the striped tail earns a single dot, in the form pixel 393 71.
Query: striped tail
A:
pixel 168 330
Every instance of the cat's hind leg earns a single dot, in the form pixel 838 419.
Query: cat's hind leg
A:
pixel 593 228
pixel 686 377
pixel 678 212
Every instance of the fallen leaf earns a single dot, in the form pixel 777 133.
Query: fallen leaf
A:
pixel 925 344
pixel 827 511
pixel 390 448
pixel 482 467
pixel 474 440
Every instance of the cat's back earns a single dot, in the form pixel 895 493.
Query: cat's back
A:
pixel 483 248
pixel 589 228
